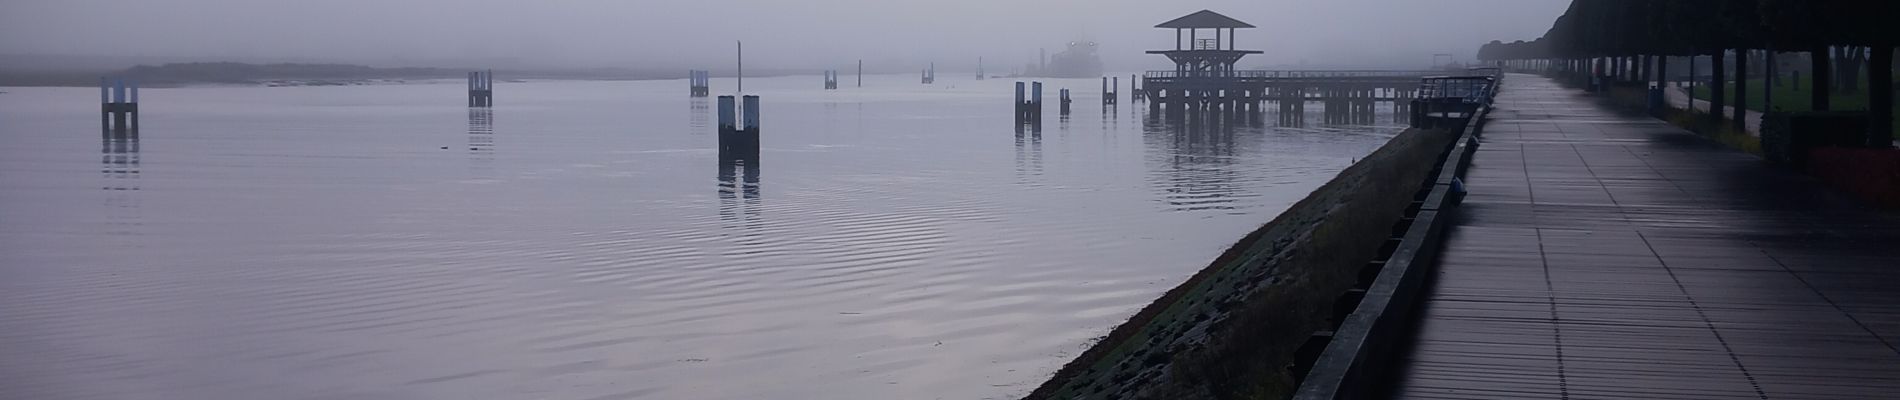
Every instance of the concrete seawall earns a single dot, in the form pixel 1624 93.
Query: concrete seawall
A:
pixel 1231 330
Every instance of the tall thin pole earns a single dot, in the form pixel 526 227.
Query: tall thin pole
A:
pixel 860 73
pixel 741 66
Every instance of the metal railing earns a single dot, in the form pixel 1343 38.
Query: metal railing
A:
pixel 1292 74
pixel 1463 89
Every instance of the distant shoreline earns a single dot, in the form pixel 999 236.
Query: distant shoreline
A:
pixel 297 75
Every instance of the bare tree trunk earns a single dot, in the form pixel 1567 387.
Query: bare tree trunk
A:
pixel 1775 61
pixel 1642 68
pixel 1819 77
pixel 1741 89
pixel 1662 72
pixel 1769 79
pixel 1847 68
pixel 1718 62
pixel 1880 97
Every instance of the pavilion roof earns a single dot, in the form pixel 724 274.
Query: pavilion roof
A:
pixel 1202 20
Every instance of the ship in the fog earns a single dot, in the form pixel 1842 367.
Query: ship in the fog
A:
pixel 1078 61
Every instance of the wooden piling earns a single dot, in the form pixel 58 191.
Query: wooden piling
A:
pixel 739 128
pixel 481 88
pixel 118 109
pixel 699 83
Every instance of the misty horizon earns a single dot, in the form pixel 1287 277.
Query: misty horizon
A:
pixel 673 34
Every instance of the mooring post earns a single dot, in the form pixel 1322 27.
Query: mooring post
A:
pixel 739 128
pixel 1064 100
pixel 1021 106
pixel 728 126
pixel 1029 106
pixel 860 73
pixel 1035 97
pixel 749 113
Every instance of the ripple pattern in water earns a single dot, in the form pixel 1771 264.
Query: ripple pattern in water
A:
pixel 581 241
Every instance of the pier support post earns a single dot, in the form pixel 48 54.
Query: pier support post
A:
pixel 699 83
pixel 481 88
pixel 118 109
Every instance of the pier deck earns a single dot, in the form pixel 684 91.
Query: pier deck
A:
pixel 1601 255
pixel 1268 85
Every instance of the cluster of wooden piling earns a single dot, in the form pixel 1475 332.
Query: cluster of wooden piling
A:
pixel 1111 90
pixel 699 82
pixel 831 79
pixel 739 128
pixel 1029 105
pixel 118 109
pixel 481 88
pixel 930 74
pixel 1062 101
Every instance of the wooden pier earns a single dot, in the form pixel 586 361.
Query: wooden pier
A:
pixel 1205 77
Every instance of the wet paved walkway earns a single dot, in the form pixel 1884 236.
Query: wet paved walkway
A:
pixel 1613 256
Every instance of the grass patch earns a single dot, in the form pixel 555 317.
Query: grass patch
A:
pixel 1231 330
pixel 1787 98
pixel 1636 99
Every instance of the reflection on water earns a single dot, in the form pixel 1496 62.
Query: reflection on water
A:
pixel 913 246
pixel 1199 157
pixel 481 142
pixel 739 192
pixel 698 114
pixel 119 165
pixel 1028 155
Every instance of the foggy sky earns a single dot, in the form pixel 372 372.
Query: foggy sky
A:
pixel 777 33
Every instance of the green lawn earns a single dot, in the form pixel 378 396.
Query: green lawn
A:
pixel 1789 99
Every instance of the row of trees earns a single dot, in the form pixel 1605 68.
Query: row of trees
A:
pixel 1630 38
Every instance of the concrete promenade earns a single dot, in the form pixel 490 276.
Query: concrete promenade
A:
pixel 1602 255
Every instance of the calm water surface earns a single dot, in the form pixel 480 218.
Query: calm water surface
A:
pixel 581 241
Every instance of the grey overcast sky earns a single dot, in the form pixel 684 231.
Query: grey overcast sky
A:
pixel 777 33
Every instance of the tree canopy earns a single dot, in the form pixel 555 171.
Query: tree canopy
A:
pixel 1616 28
